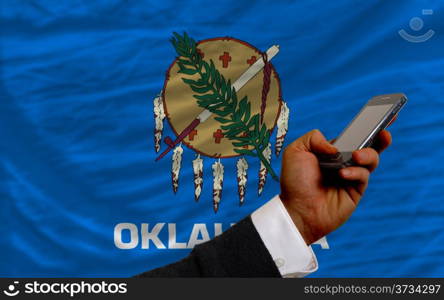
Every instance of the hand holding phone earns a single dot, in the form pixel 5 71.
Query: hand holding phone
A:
pixel 317 202
pixel 375 116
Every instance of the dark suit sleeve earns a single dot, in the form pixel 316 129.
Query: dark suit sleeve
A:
pixel 238 252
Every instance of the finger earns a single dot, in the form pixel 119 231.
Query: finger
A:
pixel 356 174
pixel 314 141
pixel 383 140
pixel 367 158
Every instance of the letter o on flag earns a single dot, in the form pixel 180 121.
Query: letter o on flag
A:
pixel 134 236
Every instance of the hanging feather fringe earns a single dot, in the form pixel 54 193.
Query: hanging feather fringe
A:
pixel 159 115
pixel 282 128
pixel 175 169
pixel 242 167
pixel 263 170
pixel 218 180
pixel 198 180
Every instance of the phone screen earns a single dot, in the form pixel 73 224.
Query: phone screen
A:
pixel 361 127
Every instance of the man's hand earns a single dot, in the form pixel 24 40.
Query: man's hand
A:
pixel 316 208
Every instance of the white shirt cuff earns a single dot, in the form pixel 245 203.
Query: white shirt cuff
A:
pixel 280 235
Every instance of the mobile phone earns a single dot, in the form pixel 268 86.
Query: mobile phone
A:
pixel 375 116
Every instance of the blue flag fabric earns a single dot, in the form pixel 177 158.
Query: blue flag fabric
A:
pixel 77 81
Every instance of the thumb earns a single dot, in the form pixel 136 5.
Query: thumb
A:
pixel 314 141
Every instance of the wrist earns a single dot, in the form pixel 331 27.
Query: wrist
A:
pixel 302 226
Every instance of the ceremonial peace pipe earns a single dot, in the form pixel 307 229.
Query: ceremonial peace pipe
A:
pixel 205 114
